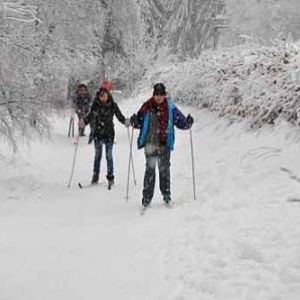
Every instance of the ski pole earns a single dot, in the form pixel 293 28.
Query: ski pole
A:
pixel 73 127
pixel 193 163
pixel 129 164
pixel 131 158
pixel 70 127
pixel 74 160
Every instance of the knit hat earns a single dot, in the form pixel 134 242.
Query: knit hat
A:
pixel 107 85
pixel 159 89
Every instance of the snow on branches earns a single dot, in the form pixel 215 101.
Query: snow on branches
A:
pixel 21 79
pixel 19 12
pixel 260 83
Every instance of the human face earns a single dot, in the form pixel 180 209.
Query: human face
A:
pixel 82 90
pixel 103 97
pixel 159 98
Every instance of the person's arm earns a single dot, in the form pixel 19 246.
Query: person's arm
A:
pixel 74 102
pixel 180 121
pixel 136 120
pixel 119 114
pixel 87 120
pixel 88 100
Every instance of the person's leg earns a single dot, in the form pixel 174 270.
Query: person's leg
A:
pixel 164 173
pixel 97 160
pixel 84 114
pixel 80 129
pixel 149 180
pixel 110 161
pixel 91 136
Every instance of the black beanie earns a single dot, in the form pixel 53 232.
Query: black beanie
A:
pixel 159 88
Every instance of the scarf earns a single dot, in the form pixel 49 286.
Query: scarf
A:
pixel 162 112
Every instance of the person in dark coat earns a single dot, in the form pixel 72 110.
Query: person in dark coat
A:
pixel 156 119
pixel 81 104
pixel 101 116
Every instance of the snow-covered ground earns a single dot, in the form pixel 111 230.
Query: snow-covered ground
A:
pixel 239 240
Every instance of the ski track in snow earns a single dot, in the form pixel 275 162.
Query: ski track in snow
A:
pixel 239 240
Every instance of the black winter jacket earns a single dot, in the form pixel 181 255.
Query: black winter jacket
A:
pixel 101 117
pixel 81 103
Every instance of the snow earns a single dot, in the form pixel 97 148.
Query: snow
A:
pixel 239 239
pixel 260 83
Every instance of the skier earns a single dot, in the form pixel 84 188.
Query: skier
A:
pixel 101 115
pixel 107 85
pixel 81 104
pixel 156 119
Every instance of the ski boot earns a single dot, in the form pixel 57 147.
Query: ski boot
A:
pixel 95 178
pixel 145 205
pixel 110 179
pixel 167 200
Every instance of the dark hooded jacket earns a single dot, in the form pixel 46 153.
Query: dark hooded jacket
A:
pixel 82 101
pixel 101 118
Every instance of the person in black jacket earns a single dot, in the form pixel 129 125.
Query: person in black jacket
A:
pixel 101 116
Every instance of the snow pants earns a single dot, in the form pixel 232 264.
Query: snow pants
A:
pixel 162 159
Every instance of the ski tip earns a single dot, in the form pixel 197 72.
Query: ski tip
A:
pixel 169 205
pixel 143 210
pixel 110 184
pixel 80 185
pixel 293 200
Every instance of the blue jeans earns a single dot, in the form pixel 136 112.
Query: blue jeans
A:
pixel 98 155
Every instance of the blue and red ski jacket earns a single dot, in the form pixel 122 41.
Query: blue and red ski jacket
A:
pixel 169 116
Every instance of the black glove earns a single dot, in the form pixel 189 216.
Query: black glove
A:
pixel 134 120
pixel 189 121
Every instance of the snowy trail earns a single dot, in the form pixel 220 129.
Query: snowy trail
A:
pixel 239 240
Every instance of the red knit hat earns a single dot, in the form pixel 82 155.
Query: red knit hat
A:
pixel 107 85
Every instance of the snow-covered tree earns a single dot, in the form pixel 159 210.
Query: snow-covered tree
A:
pixel 21 82
pixel 261 20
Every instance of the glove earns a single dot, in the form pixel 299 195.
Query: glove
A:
pixel 189 121
pixel 133 120
pixel 127 123
pixel 81 124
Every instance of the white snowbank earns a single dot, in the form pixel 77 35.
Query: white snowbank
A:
pixel 260 83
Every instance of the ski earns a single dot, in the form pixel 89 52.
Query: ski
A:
pixel 293 200
pixel 168 205
pixel 143 210
pixel 110 184
pixel 82 186
pixel 88 185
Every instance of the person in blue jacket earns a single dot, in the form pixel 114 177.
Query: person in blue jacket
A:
pixel 156 120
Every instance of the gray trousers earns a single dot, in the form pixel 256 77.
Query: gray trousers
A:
pixel 161 157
